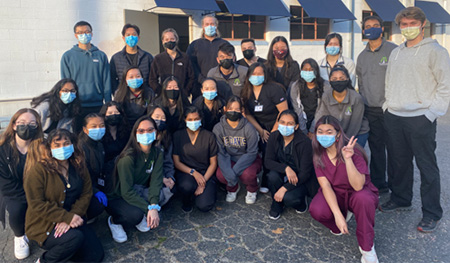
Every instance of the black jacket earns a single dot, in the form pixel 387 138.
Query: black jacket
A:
pixel 119 62
pixel 94 154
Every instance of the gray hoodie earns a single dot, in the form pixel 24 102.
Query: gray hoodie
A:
pixel 239 145
pixel 418 80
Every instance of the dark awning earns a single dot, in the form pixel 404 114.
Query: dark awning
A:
pixel 386 9
pixel 435 12
pixel 257 7
pixel 209 5
pixel 332 9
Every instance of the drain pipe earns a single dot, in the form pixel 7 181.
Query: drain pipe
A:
pixel 352 28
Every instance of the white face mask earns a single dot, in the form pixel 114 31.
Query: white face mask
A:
pixel 411 33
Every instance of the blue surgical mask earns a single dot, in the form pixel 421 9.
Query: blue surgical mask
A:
pixel 210 31
pixel 84 38
pixel 256 80
pixel 210 95
pixel 96 134
pixel 146 138
pixel 326 140
pixel 131 40
pixel 193 125
pixel 63 153
pixel 135 83
pixel 286 130
pixel 332 50
pixel 67 97
pixel 308 76
pixel 373 33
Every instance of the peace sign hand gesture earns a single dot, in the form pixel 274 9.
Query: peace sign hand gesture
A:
pixel 348 151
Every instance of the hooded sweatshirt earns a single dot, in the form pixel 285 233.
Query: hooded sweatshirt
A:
pixel 90 70
pixel 418 80
pixel 239 145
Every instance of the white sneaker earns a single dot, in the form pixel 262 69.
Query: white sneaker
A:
pixel 118 234
pixel 250 198
pixel 349 216
pixel 264 190
pixel 231 196
pixel 21 248
pixel 369 256
pixel 142 226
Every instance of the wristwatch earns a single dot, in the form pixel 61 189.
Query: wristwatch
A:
pixel 192 172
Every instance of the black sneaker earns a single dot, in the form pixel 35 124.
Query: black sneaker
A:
pixel 383 190
pixel 427 225
pixel 274 215
pixel 187 208
pixel 303 207
pixel 390 206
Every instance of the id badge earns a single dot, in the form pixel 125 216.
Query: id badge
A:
pixel 258 108
pixel 101 182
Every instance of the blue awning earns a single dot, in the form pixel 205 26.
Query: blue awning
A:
pixel 257 7
pixel 386 9
pixel 209 5
pixel 332 9
pixel 435 12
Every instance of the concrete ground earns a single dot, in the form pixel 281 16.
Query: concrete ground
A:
pixel 243 233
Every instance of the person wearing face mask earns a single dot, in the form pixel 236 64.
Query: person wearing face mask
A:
pixel 172 62
pixel 230 77
pixel 89 68
pixel 345 187
pixel 65 105
pixel 238 157
pixel 139 179
pixel 248 48
pixel 23 128
pixel 334 57
pixel 371 69
pixel 58 190
pixel 345 104
pixel 289 158
pixel 417 93
pixel 195 158
pixel 282 67
pixel 210 104
pixel 203 50
pixel 131 55
pixel 134 94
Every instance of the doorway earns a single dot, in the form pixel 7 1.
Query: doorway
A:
pixel 180 24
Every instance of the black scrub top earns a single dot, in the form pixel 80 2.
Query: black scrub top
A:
pixel 209 119
pixel 76 188
pixel 285 156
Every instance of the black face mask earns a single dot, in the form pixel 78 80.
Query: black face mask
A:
pixel 113 120
pixel 339 86
pixel 249 53
pixel 160 125
pixel 226 63
pixel 170 45
pixel 172 94
pixel 26 132
pixel 233 115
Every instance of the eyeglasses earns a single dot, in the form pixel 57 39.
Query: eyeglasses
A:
pixel 142 131
pixel 31 124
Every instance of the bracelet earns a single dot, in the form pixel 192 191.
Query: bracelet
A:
pixel 156 207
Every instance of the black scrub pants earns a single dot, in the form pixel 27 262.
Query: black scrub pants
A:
pixel 16 210
pixel 186 186
pixel 293 198
pixel 123 213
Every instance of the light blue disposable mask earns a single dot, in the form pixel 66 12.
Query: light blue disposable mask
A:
pixel 96 134
pixel 332 50
pixel 326 140
pixel 308 76
pixel 210 95
pixel 193 125
pixel 135 83
pixel 256 80
pixel 67 97
pixel 286 130
pixel 63 153
pixel 84 38
pixel 131 40
pixel 210 31
pixel 146 138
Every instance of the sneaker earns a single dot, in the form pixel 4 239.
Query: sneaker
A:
pixel 390 206
pixel 349 216
pixel 118 234
pixel 142 226
pixel 21 248
pixel 274 215
pixel 369 256
pixel 38 260
pixel 303 207
pixel 336 234
pixel 250 198
pixel 264 190
pixel 231 196
pixel 187 208
pixel 427 225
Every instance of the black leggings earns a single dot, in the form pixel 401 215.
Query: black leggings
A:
pixel 16 210
pixel 186 185
pixel 123 213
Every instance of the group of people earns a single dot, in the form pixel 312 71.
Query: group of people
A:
pixel 185 123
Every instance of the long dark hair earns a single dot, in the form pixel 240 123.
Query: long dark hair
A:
pixel 271 61
pixel 247 90
pixel 234 98
pixel 329 37
pixel 181 101
pixel 164 136
pixel 122 94
pixel 216 106
pixel 341 141
pixel 57 107
pixel 83 138
pixel 122 128
pixel 302 87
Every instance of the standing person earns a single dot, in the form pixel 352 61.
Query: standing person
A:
pixel 138 182
pixel 371 69
pixel 413 102
pixel 65 105
pixel 130 55
pixel 282 67
pixel 23 128
pixel 343 175
pixel 133 94
pixel 289 155
pixel 230 77
pixel 89 68
pixel 334 57
pixel 195 158
pixel 58 190
pixel 203 50
pixel 172 62
pixel 248 49
pixel 209 104
pixel 238 156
